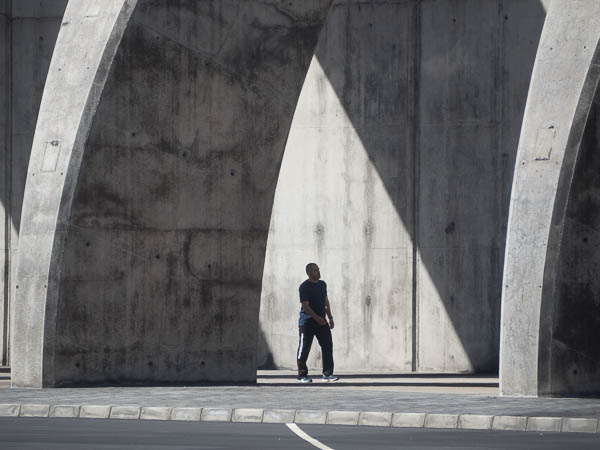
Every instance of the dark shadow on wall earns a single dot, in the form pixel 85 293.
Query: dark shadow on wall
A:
pixel 162 270
pixel 436 91
pixel 576 326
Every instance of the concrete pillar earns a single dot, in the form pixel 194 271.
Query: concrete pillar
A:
pixel 563 84
pixel 150 188
pixel 86 44
pixel 29 30
pixel 5 39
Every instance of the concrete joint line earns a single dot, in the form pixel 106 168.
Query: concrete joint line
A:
pixel 320 417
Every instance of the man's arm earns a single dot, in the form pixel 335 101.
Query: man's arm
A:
pixel 314 315
pixel 328 312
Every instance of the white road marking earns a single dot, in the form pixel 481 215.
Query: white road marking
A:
pixel 296 429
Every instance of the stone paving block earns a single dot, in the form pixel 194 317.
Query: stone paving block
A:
pixel 579 425
pixel 441 421
pixel 9 410
pixel 94 412
pixel 247 415
pixel 544 424
pixel 408 420
pixel 342 417
pixel 279 416
pixel 188 414
pixel 514 423
pixel 34 410
pixel 155 413
pixel 216 415
pixel 64 411
pixel 375 419
pixel 125 412
pixel 310 416
pixel 475 421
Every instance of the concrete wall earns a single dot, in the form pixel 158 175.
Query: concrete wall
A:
pixel 396 180
pixel 537 345
pixel 29 29
pixel 576 327
pixel 145 237
pixel 4 148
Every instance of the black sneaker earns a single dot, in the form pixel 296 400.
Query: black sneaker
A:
pixel 304 380
pixel 330 378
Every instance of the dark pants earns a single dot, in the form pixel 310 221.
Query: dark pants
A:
pixel 323 334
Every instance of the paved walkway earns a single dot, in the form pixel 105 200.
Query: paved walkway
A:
pixel 356 393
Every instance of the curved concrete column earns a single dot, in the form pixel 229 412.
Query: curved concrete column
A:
pixel 146 226
pixel 563 84
pixel 86 44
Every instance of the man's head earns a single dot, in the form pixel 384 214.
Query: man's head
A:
pixel 312 270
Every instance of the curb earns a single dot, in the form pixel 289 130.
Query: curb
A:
pixel 312 417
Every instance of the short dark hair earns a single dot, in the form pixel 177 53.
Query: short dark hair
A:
pixel 309 266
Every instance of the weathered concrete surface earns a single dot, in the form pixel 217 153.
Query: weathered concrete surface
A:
pixel 28 30
pixel 4 148
pixel 563 84
pixel 145 240
pixel 576 328
pixel 76 77
pixel 396 180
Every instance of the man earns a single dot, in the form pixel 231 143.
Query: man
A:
pixel 315 305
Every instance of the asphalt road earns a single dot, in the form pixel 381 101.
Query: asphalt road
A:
pixel 82 434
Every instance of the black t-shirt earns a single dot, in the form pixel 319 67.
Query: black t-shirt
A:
pixel 315 294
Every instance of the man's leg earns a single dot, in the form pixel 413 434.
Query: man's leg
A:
pixel 306 337
pixel 326 342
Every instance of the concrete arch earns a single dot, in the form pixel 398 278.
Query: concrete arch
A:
pixel 408 124
pixel 61 132
pixel 563 86
pixel 114 242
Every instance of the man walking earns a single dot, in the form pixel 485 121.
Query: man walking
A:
pixel 315 304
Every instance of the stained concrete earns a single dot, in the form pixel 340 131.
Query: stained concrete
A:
pixel 562 89
pixel 29 30
pixel 152 257
pixel 144 244
pixel 576 327
pixel 76 76
pixel 396 180
pixel 4 147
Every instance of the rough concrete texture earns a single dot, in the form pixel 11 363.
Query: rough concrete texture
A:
pixel 375 419
pixel 310 416
pixel 155 249
pixel 576 327
pixel 396 179
pixel 34 410
pixel 9 410
pixel 278 415
pixel 562 89
pixel 216 415
pixel 155 413
pixel 125 412
pixel 94 411
pixel 514 423
pixel 342 417
pixel 579 425
pixel 186 414
pixel 475 421
pixel 412 420
pixel 548 424
pixel 247 415
pixel 28 31
pixel 78 68
pixel 64 411
pixel 441 421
